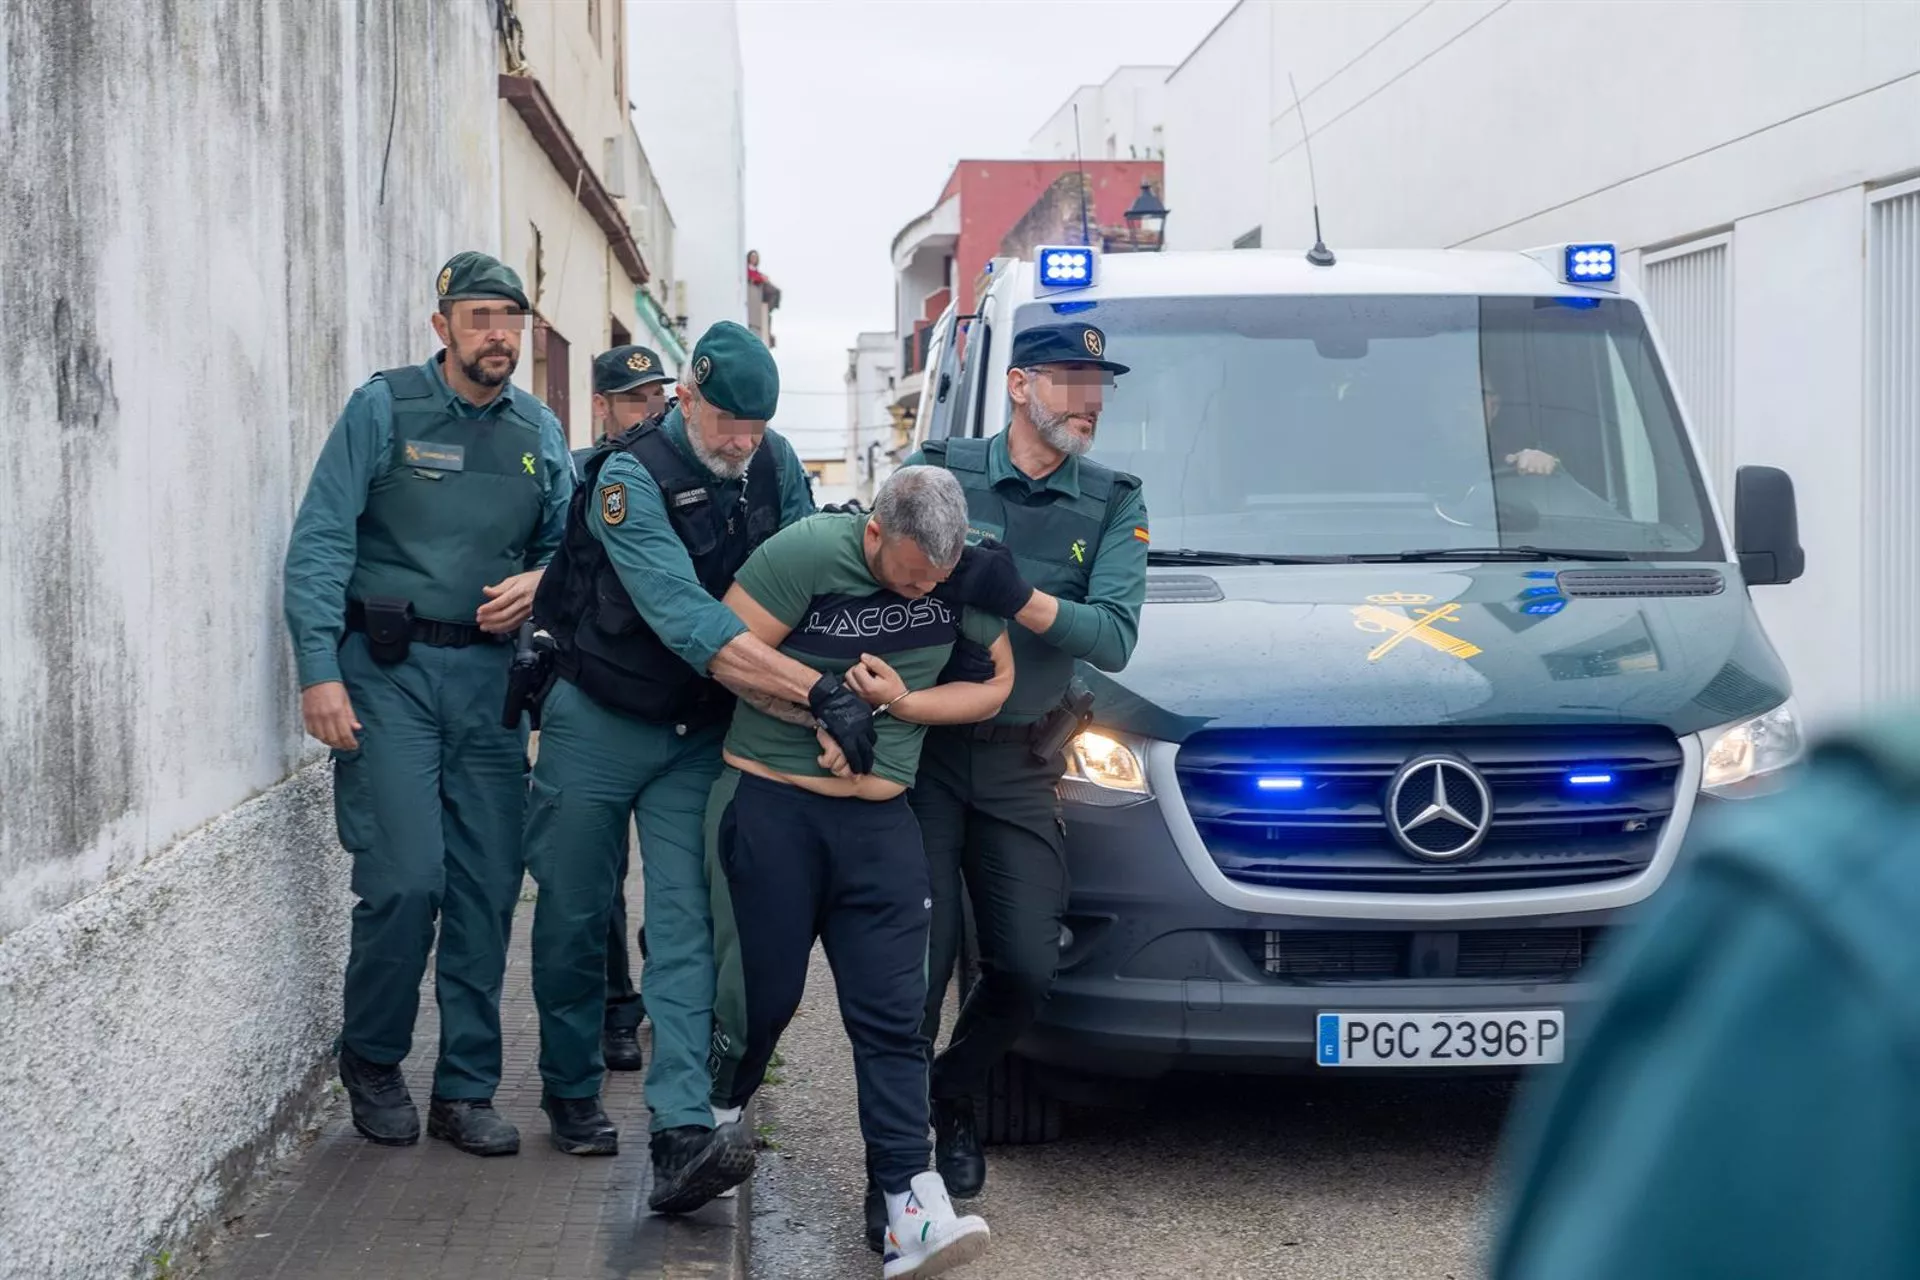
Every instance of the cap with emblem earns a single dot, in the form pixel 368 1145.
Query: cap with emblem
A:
pixel 735 372
pixel 1062 344
pixel 479 275
pixel 624 368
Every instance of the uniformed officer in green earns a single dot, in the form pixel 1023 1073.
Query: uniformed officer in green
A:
pixel 1071 576
pixel 436 500
pixel 634 725
pixel 630 386
pixel 1746 1104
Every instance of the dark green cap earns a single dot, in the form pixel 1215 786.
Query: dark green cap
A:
pixel 479 275
pixel 735 372
pixel 624 368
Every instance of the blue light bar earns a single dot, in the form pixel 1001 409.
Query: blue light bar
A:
pixel 1281 784
pixel 1064 266
pixel 1590 779
pixel 1590 264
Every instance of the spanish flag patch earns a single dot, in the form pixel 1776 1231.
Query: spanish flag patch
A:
pixel 1140 532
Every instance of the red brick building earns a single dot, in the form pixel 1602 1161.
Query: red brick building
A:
pixel 991 208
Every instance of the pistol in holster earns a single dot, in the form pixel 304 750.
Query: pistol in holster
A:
pixel 1062 724
pixel 528 679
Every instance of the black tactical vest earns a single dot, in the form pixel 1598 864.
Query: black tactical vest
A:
pixel 603 645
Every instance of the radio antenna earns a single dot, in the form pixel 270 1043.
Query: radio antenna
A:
pixel 1319 255
pixel 1080 163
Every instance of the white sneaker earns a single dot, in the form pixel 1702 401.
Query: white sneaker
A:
pixel 925 1238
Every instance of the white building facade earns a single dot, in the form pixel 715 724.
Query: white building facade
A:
pixel 872 364
pixel 1759 162
pixel 1121 119
pixel 686 87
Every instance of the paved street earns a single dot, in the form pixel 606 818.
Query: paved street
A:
pixel 348 1210
pixel 1299 1178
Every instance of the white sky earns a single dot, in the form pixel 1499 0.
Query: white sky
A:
pixel 856 111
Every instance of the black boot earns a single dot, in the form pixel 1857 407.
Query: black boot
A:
pixel 956 1148
pixel 876 1217
pixel 692 1165
pixel 472 1125
pixel 620 1047
pixel 580 1126
pixel 383 1110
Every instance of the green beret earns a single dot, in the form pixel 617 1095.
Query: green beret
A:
pixel 735 372
pixel 479 275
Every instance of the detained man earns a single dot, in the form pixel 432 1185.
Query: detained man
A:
pixel 806 843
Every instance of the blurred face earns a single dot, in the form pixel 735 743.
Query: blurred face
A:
pixel 723 443
pixel 483 337
pixel 899 565
pixel 619 411
pixel 1063 402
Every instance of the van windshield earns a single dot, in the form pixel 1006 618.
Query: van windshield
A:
pixel 1372 426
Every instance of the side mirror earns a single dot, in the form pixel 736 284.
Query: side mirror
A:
pixel 1766 526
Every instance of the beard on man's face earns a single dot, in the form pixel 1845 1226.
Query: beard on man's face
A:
pixel 1058 431
pixel 473 363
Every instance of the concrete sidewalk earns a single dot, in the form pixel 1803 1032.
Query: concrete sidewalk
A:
pixel 348 1210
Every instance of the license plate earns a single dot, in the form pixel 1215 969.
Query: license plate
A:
pixel 1507 1038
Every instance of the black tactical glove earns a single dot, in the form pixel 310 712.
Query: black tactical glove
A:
pixel 988 579
pixel 850 507
pixel 847 720
pixel 971 663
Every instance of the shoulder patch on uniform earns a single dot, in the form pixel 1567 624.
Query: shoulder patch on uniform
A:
pixel 1140 533
pixel 613 503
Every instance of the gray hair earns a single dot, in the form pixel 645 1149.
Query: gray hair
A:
pixel 926 504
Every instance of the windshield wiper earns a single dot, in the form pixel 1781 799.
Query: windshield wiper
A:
pixel 1184 555
pixel 1493 553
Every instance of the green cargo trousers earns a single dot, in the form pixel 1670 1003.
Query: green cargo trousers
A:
pixel 598 768
pixel 431 807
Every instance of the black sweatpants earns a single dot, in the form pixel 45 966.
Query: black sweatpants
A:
pixel 796 867
pixel 988 813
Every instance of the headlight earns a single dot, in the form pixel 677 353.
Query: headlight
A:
pixel 1751 758
pixel 1105 768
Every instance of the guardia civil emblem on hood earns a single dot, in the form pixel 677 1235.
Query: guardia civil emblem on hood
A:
pixel 638 362
pixel 1094 346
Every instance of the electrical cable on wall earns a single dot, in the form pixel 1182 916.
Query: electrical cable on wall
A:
pixel 393 98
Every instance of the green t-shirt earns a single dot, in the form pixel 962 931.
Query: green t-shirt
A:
pixel 813 576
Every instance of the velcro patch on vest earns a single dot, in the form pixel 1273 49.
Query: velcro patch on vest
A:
pixel 613 503
pixel 689 498
pixel 436 455
pixel 882 623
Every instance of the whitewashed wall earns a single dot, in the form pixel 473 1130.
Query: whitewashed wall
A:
pixel 200 264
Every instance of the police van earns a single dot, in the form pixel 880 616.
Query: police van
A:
pixel 1447 643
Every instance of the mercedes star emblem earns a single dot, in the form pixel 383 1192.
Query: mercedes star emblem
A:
pixel 1439 808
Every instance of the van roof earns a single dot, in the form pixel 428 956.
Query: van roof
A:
pixel 1229 272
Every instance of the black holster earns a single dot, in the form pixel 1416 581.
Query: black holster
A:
pixel 529 679
pixel 389 628
pixel 1061 725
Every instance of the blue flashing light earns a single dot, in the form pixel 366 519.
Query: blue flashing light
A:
pixel 1281 784
pixel 1590 779
pixel 1542 573
pixel 1579 304
pixel 1545 608
pixel 1543 591
pixel 1064 266
pixel 1590 264
pixel 1072 308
